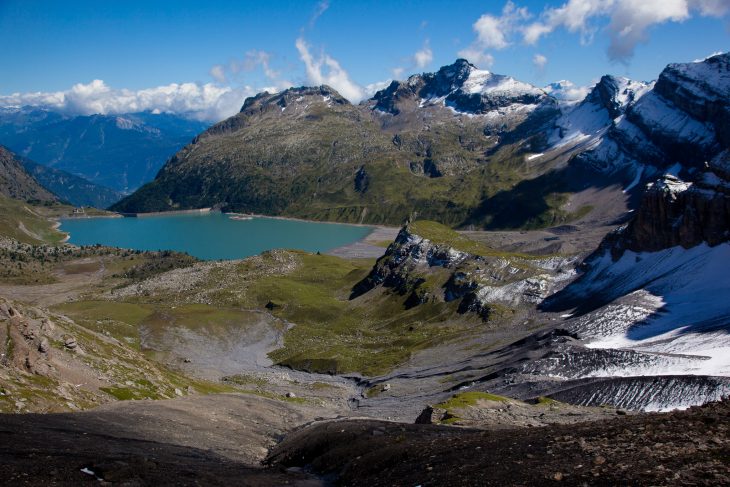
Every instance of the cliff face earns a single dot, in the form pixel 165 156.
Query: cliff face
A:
pixel 701 90
pixel 674 212
pixel 683 119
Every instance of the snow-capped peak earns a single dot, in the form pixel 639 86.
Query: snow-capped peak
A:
pixel 567 91
pixel 486 82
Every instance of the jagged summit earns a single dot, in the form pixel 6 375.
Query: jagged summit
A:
pixel 460 86
pixel 615 94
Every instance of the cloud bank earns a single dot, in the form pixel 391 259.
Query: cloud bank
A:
pixel 628 24
pixel 202 102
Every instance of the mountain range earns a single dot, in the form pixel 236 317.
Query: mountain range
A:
pixel 602 297
pixel 117 152
pixel 462 146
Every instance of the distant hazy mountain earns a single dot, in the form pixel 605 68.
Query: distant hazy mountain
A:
pixel 462 146
pixel 121 152
pixel 71 188
pixel 16 183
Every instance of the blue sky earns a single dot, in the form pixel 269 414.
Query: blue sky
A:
pixel 238 48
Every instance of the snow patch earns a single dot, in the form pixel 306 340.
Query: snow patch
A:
pixel 680 310
pixel 637 178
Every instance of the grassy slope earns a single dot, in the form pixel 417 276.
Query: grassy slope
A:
pixel 128 373
pixel 371 334
pixel 306 166
pixel 16 215
pixel 331 334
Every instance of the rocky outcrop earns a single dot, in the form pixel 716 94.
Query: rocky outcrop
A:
pixel 701 90
pixel 674 212
pixel 407 252
pixel 25 341
pixel 487 283
pixel 614 94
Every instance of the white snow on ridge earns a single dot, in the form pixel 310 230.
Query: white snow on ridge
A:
pixel 591 120
pixel 682 311
pixel 584 121
pixel 635 181
pixel 488 83
pixel 655 112
pixel 703 78
pixel 630 90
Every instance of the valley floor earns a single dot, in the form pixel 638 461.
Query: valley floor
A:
pixel 355 373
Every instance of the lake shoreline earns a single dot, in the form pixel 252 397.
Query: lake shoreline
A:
pixel 214 235
pixel 253 215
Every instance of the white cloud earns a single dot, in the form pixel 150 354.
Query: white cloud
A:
pixel 373 88
pixel 567 91
pixel 420 60
pixel 539 61
pixel 252 60
pixel 325 70
pixel 713 8
pixel 321 8
pixel 398 72
pixel 202 102
pixel 494 33
pixel 574 15
pixel 629 23
pixel 491 32
pixel 477 57
pixel 423 57
pixel 218 73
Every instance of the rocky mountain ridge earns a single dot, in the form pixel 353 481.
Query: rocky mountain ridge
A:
pixel 678 120
pixel 462 87
pixel 459 142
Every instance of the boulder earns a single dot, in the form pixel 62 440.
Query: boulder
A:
pixel 432 415
pixel 70 343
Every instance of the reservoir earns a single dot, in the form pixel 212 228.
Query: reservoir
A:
pixel 211 236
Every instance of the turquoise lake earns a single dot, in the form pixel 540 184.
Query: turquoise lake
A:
pixel 211 236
